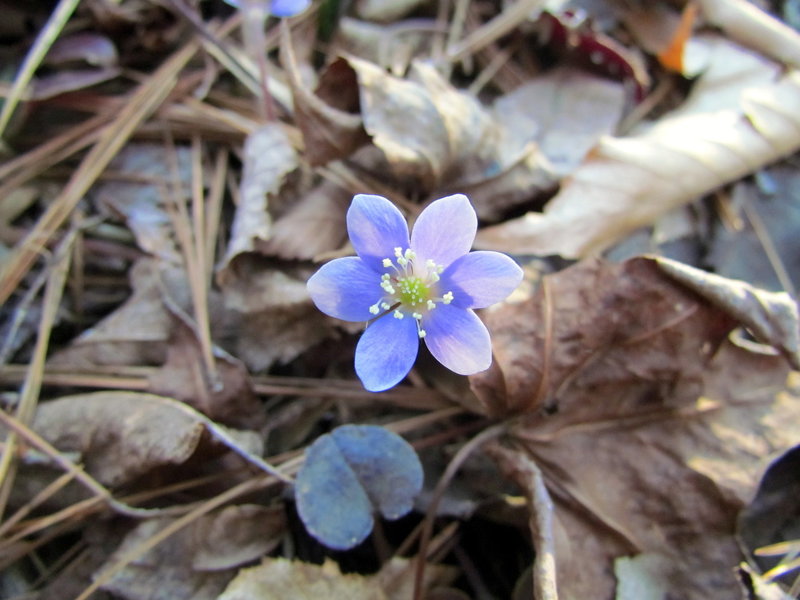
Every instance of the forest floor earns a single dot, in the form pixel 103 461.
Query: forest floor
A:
pixel 181 421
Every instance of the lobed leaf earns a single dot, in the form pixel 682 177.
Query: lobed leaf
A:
pixel 351 473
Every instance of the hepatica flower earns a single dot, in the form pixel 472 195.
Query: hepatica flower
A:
pixel 421 287
pixel 277 8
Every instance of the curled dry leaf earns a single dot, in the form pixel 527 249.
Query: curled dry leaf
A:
pixel 199 560
pixel 771 317
pixel 120 436
pixel 329 120
pixel 268 157
pixel 728 128
pixel 444 138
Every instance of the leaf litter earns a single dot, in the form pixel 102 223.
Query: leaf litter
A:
pixel 179 420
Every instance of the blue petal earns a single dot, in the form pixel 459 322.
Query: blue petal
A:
pixel 445 230
pixel 479 279
pixel 278 8
pixel 458 339
pixel 386 352
pixel 376 228
pixel 288 8
pixel 345 288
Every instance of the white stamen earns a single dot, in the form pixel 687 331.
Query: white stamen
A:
pixel 431 305
pixel 398 314
pixel 416 315
pixel 422 333
pixel 375 309
pixel 433 276
pixel 387 262
pixel 385 306
pixel 447 298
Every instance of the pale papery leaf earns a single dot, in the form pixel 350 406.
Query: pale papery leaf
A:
pixel 565 111
pixel 268 157
pixel 278 578
pixel 120 436
pixel 746 23
pixel 629 182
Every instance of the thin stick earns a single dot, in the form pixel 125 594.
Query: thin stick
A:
pixel 771 251
pixel 44 40
pixel 491 31
pixel 29 396
pixel 519 467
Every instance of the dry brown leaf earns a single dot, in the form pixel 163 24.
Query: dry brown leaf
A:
pixel 141 202
pixel 329 120
pixel 268 157
pixel 273 316
pixel 226 395
pixel 771 317
pixel 444 138
pixel 313 225
pixel 197 562
pixel 729 127
pixel 279 579
pixel 120 436
pixel 114 341
pixel 668 486
pixel 625 331
pixel 650 434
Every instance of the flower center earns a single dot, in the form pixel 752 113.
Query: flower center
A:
pixel 412 291
pixel 412 288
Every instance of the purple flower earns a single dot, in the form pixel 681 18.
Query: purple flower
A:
pixel 422 287
pixel 277 8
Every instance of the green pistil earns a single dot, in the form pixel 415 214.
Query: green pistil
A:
pixel 412 291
